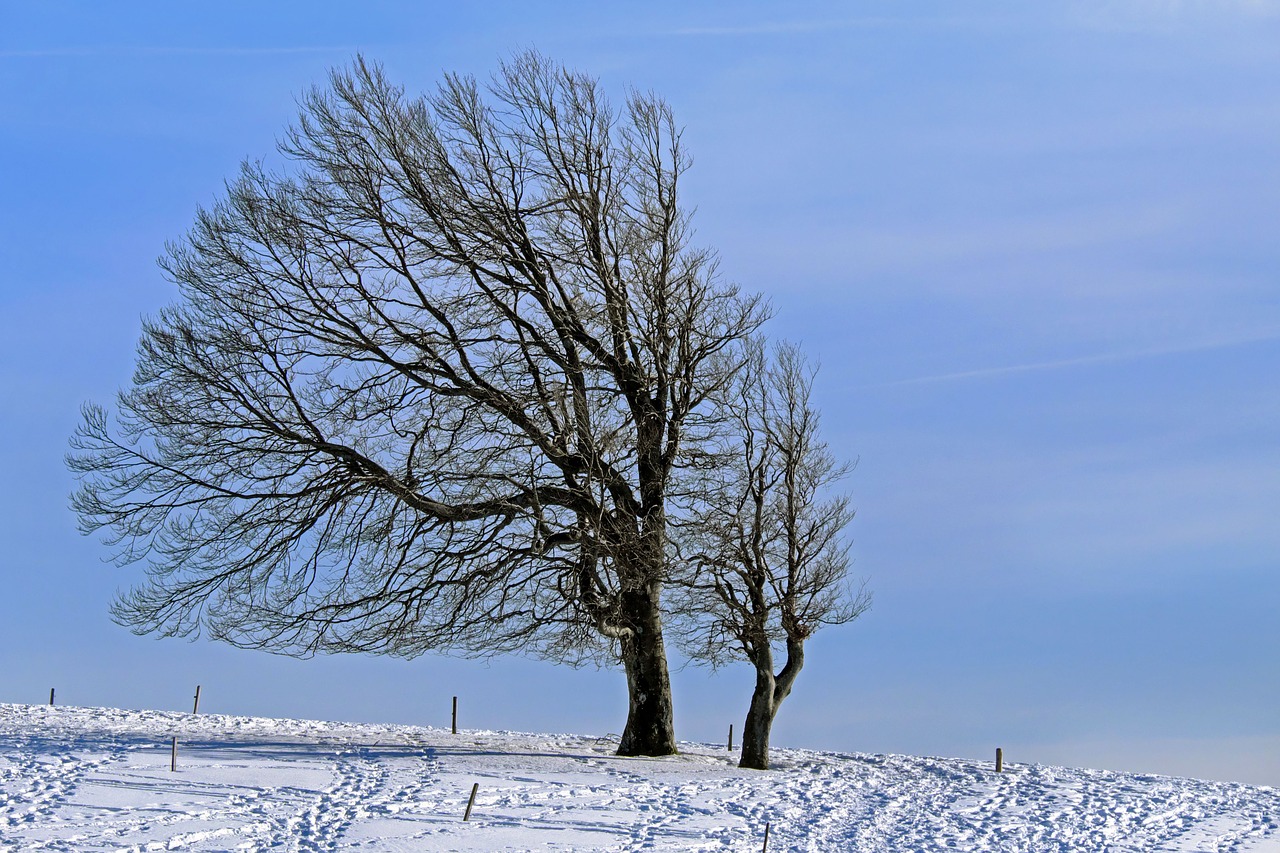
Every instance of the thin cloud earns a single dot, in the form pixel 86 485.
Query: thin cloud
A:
pixel 1164 15
pixel 139 50
pixel 785 27
pixel 898 248
pixel 1084 361
pixel 794 27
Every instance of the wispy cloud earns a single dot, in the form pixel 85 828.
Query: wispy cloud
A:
pixel 152 50
pixel 1148 15
pixel 1262 336
pixel 983 20
pixel 785 27
pixel 897 248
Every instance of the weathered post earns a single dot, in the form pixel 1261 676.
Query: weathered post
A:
pixel 50 695
pixel 455 715
pixel 730 747
pixel 173 756
pixel 999 760
pixel 471 802
pixel 195 709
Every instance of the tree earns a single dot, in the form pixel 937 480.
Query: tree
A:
pixel 425 387
pixel 766 562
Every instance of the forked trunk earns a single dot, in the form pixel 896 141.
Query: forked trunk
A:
pixel 765 699
pixel 650 729
pixel 755 734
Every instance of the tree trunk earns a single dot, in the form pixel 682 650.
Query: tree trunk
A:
pixel 650 729
pixel 755 733
pixel 770 691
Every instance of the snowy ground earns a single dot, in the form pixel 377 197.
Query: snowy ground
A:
pixel 99 779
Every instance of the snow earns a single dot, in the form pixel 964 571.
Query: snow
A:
pixel 99 779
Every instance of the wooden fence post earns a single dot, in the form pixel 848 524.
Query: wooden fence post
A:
pixel 196 708
pixel 999 760
pixel 173 756
pixel 455 715
pixel 471 802
pixel 730 747
pixel 50 695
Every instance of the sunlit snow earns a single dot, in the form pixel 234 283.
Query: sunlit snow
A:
pixel 95 778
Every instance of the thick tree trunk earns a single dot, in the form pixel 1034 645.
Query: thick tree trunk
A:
pixel 755 733
pixel 650 728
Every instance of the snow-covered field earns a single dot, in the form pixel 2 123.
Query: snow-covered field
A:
pixel 99 779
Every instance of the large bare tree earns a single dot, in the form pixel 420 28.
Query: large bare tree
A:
pixel 765 561
pixel 426 385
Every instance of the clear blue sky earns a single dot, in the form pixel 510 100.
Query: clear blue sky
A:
pixel 1035 247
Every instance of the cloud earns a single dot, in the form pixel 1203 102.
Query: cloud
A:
pixel 895 248
pixel 1260 336
pixel 824 26
pixel 1166 15
pixel 784 27
pixel 146 50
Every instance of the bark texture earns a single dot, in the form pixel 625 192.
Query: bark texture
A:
pixel 770 691
pixel 649 729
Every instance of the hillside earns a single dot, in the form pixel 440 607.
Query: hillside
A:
pixel 95 778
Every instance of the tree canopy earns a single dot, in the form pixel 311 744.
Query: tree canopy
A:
pixel 764 563
pixel 433 382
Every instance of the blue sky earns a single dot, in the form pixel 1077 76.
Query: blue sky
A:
pixel 1033 246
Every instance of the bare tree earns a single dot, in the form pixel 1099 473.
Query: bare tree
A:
pixel 766 562
pixel 426 386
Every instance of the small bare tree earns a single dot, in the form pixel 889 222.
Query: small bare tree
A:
pixel 765 559
pixel 426 388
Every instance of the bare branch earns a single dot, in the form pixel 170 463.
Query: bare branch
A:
pixel 426 388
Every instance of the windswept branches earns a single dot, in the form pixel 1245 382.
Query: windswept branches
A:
pixel 426 388
pixel 765 561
